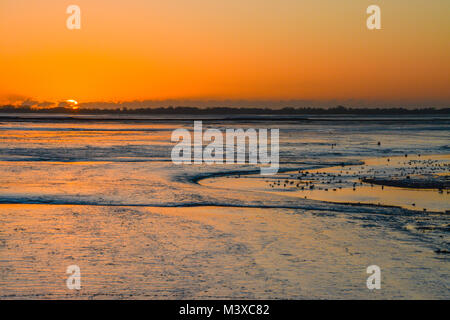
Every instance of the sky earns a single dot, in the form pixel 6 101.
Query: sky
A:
pixel 316 52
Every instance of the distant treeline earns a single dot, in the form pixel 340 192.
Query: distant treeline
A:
pixel 226 110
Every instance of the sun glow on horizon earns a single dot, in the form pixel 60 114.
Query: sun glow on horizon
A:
pixel 72 103
pixel 234 50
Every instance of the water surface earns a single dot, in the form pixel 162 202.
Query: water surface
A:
pixel 104 194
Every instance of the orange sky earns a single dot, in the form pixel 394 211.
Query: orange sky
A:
pixel 234 49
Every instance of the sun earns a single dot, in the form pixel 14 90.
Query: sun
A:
pixel 72 103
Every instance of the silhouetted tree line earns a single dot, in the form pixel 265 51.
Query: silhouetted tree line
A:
pixel 226 110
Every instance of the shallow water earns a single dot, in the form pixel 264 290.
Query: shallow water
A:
pixel 342 183
pixel 104 195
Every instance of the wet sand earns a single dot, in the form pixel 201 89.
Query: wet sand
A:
pixel 209 253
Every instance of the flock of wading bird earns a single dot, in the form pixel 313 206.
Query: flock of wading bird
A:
pixel 419 173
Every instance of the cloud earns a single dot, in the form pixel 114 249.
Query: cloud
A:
pixel 29 103
pixel 12 99
pixel 63 104
pixel 45 104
